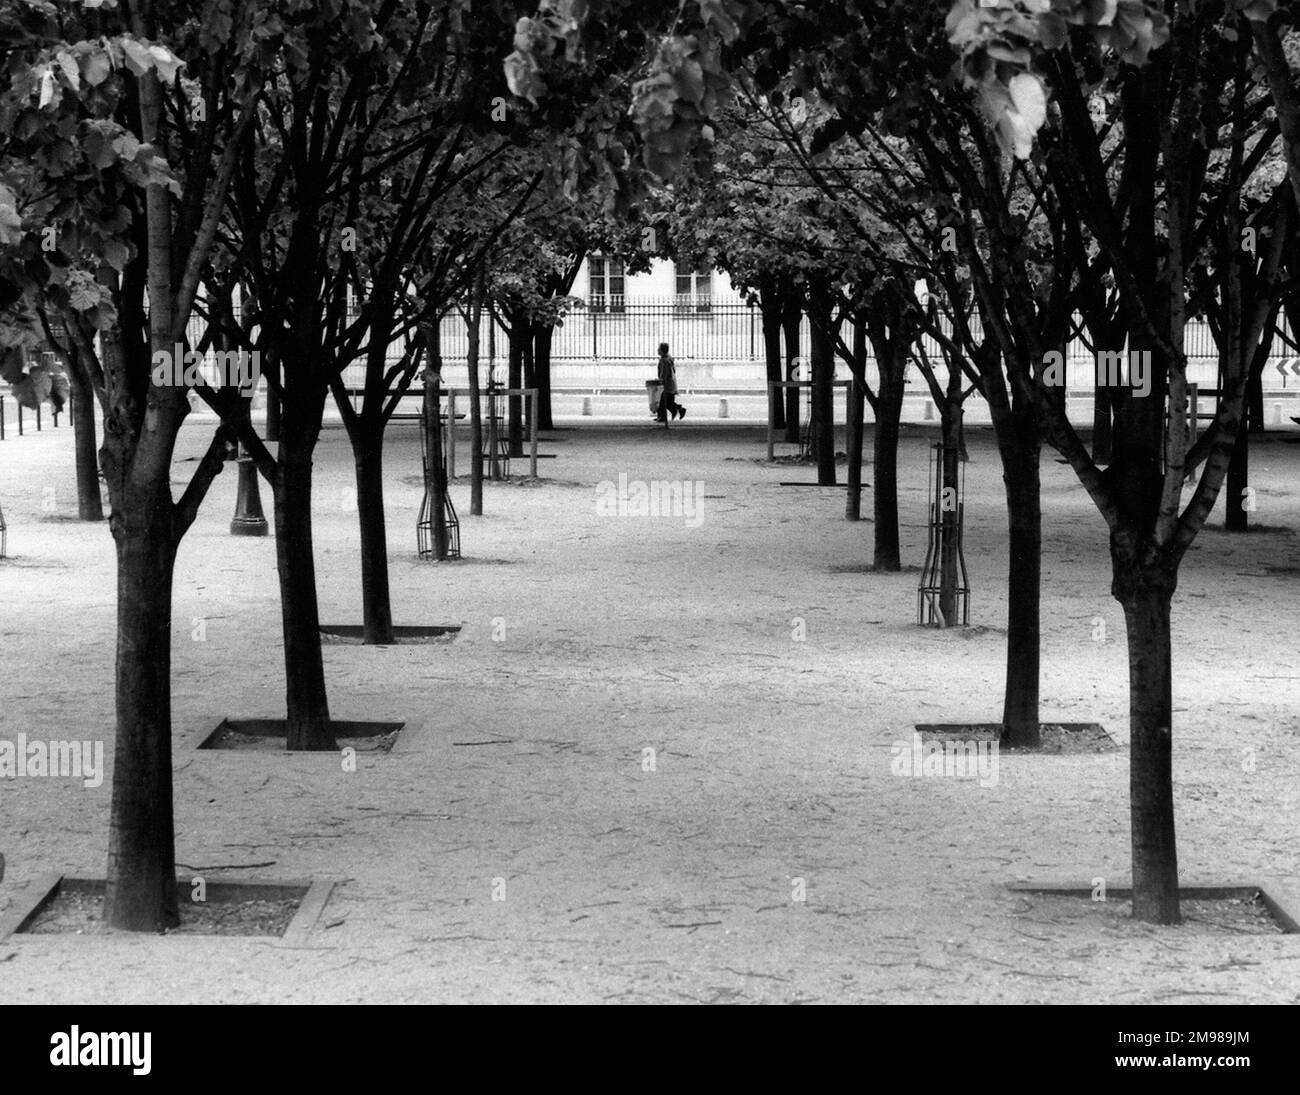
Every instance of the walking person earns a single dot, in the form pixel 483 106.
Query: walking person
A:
pixel 668 378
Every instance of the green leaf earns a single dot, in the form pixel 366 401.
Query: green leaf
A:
pixel 166 62
pixel 1052 30
pixel 716 15
pixel 689 81
pixel 116 254
pixel 1258 11
pixel 96 67
pixel 11 224
pixel 83 295
pixel 126 146
pixel 68 66
pixel 137 55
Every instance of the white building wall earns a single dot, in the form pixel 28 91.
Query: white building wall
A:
pixel 658 284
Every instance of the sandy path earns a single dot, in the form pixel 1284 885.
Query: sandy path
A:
pixel 772 756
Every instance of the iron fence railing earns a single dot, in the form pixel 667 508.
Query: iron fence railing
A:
pixel 729 332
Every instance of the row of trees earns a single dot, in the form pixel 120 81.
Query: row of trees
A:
pixel 348 172
pixel 1093 158
pixel 345 172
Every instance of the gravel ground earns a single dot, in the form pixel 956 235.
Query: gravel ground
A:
pixel 521 844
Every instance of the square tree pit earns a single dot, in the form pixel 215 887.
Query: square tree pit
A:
pixel 270 735
pixel 57 905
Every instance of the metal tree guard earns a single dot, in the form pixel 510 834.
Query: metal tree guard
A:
pixel 943 553
pixel 802 372
pixel 496 441
pixel 424 534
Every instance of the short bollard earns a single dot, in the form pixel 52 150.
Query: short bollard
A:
pixel 249 520
pixel 722 409
pixel 586 406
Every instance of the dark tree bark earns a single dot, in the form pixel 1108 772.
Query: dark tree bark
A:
pixel 889 412
pixel 1019 446
pixel 857 409
pixel 376 600
pixel 90 505
pixel 891 331
pixel 142 421
pixel 1024 592
pixel 887 555
pixel 949 516
pixel 366 436
pixel 519 336
pixel 857 413
pixel 821 318
pixel 537 353
pixel 141 889
pixel 542 337
pixel 475 402
pixel 435 476
pixel 1102 424
pixel 1236 518
pixel 530 373
pixel 272 414
pixel 1145 593
pixel 791 321
pixel 1255 402
pixel 770 305
pixel 306 700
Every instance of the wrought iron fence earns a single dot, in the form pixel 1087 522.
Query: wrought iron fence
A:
pixel 724 332
pixel 616 329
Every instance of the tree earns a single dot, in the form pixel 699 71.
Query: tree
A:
pixel 1172 106
pixel 531 274
pixel 739 215
pixel 82 110
pixel 890 59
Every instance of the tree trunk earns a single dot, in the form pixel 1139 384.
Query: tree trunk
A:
pixel 542 375
pixel 853 499
pixel 475 407
pixel 948 513
pixel 515 379
pixel 1102 425
pixel 1024 591
pixel 306 701
pixel 889 413
pixel 1255 393
pixel 1146 599
pixel 1019 447
pixel 769 304
pixel 791 321
pixel 823 375
pixel 90 505
pixel 1238 478
pixel 272 414
pixel 530 381
pixel 376 599
pixel 856 413
pixel 884 446
pixel 141 886
pixel 435 476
